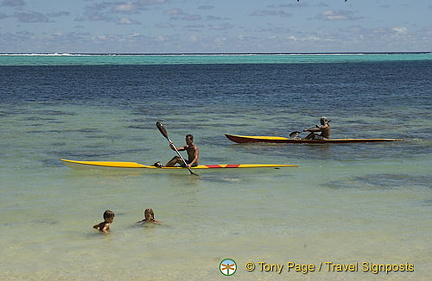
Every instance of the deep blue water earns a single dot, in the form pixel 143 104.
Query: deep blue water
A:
pixel 396 90
pixel 345 87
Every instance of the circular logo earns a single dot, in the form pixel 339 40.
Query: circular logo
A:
pixel 228 267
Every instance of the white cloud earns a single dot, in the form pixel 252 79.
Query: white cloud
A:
pixel 332 15
pixel 175 12
pixel 126 7
pixel 400 30
pixel 151 2
pixel 260 13
pixel 107 11
pixel 126 20
pixel 55 35
pixel 341 15
pixel 225 26
pixel 179 14
pixel 309 38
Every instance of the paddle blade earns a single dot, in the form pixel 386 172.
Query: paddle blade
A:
pixel 161 128
pixel 294 135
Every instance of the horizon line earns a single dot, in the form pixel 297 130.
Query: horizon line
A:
pixel 214 53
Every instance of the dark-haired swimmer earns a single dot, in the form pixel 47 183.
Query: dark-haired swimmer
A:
pixel 149 217
pixel 105 225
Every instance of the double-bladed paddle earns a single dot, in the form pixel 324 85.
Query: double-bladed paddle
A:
pixel 163 131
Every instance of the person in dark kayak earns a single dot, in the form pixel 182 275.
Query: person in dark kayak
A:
pixel 324 130
pixel 105 225
pixel 192 151
pixel 149 217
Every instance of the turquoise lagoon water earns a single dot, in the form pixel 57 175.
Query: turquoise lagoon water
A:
pixel 136 59
pixel 344 204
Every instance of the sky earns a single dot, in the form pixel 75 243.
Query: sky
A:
pixel 215 26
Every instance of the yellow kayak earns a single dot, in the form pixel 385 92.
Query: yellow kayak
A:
pixel 80 165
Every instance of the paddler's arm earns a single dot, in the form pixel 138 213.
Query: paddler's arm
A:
pixel 319 129
pixel 178 148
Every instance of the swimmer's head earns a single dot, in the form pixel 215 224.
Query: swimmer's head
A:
pixel 108 214
pixel 149 214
